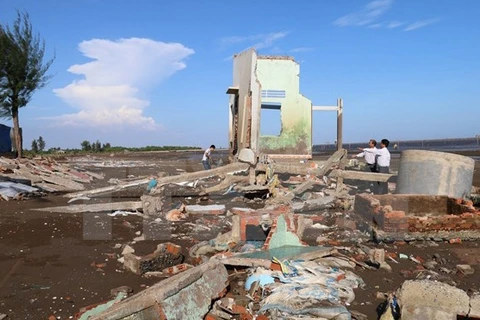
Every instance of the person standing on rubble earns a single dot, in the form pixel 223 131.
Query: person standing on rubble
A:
pixel 207 157
pixel 383 163
pixel 370 155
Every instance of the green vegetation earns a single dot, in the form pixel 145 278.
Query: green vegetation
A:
pixel 38 146
pixel 22 70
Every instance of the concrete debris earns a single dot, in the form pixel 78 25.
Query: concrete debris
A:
pixel 474 306
pixel 427 299
pixel 247 155
pixel 166 255
pixel 258 223
pixel 151 205
pixel 124 289
pixel 127 250
pixel 465 269
pixel 209 209
pixel 91 312
pixel 43 174
pixel 97 207
pixel 188 293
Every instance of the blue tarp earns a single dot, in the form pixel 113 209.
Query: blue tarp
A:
pixel 5 140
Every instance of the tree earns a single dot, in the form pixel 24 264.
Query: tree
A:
pixel 22 70
pixel 86 145
pixel 98 146
pixel 34 146
pixel 41 144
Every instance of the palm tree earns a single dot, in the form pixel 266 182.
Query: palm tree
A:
pixel 22 70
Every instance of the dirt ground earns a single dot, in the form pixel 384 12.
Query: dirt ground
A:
pixel 55 264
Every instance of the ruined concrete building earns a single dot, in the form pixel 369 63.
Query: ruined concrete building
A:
pixel 270 83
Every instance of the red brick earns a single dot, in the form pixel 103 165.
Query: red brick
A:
pixel 360 257
pixel 391 255
pixel 449 226
pixel 173 248
pixel 333 242
pixel 246 316
pixel 239 309
pixel 176 269
pixel 345 224
pixel 456 240
pixel 275 267
pixel 468 203
pixel 243 211
pixel 451 217
pixel 465 226
pixel 394 214
pixel 437 226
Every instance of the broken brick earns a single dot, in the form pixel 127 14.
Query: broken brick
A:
pixel 166 255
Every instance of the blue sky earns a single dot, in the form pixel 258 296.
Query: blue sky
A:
pixel 152 72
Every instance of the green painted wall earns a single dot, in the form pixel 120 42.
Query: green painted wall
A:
pixel 296 110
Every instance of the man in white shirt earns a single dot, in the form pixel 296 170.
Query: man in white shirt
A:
pixel 369 154
pixel 207 156
pixel 383 163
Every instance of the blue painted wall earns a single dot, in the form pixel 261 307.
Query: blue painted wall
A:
pixel 5 140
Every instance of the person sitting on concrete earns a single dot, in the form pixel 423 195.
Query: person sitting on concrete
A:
pixel 383 163
pixel 207 157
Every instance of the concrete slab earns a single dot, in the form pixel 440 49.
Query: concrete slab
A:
pixel 187 293
pixel 427 299
pixel 209 209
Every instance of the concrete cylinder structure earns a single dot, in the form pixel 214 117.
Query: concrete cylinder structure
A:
pixel 435 173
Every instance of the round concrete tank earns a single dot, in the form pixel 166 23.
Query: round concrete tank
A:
pixel 435 173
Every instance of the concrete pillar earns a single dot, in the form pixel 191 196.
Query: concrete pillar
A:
pixel 435 173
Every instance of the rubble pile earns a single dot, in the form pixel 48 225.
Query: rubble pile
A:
pixel 277 241
pixel 32 177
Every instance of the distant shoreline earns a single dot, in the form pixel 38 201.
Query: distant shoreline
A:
pixel 467 146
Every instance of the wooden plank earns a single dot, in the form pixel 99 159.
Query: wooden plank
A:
pixel 95 207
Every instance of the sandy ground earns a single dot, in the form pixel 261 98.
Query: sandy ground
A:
pixel 55 264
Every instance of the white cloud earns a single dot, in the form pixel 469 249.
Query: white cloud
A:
pixel 420 24
pixel 259 41
pixel 120 72
pixel 302 49
pixel 365 16
pixel 394 24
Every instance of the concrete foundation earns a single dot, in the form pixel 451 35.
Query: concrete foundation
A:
pixel 403 216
